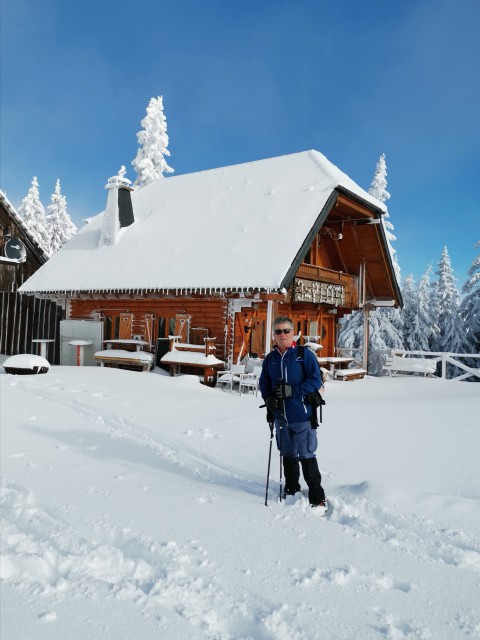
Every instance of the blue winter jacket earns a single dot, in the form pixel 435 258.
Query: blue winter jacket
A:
pixel 303 374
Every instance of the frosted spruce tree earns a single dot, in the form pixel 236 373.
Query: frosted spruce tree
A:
pixel 33 215
pixel 378 189
pixel 425 325
pixel 470 306
pixel 150 163
pixel 385 324
pixel 60 224
pixel 446 304
pixel 409 313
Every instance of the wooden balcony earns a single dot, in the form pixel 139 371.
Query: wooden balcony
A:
pixel 320 274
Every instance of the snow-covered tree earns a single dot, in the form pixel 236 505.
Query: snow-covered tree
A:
pixel 386 333
pixel 385 324
pixel 60 224
pixel 446 306
pixel 150 163
pixel 351 331
pixel 470 306
pixel 33 215
pixel 425 326
pixel 409 313
pixel 378 189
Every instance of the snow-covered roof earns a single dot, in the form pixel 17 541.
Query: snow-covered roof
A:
pixel 237 227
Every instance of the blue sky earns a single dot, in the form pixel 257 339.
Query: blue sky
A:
pixel 250 80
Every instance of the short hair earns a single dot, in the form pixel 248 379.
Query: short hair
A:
pixel 283 320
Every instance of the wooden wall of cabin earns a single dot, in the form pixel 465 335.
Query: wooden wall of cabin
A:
pixel 250 327
pixel 205 313
pixel 12 275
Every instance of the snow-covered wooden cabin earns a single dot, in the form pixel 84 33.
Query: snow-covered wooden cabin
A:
pixel 220 253
pixel 22 319
pixel 20 255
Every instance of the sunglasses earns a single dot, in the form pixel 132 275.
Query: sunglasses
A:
pixel 278 332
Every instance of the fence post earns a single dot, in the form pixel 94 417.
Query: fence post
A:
pixel 444 366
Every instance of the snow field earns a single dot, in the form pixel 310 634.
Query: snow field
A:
pixel 133 504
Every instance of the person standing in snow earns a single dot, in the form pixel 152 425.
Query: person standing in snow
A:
pixel 290 375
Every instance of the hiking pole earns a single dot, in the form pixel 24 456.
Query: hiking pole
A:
pixel 282 421
pixel 269 460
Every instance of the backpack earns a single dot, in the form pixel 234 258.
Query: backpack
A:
pixel 314 399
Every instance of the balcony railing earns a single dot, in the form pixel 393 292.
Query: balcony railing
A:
pixel 320 274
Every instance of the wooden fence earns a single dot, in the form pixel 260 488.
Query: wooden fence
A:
pixel 25 318
pixel 450 366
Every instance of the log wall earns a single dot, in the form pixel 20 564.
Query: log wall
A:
pixel 205 313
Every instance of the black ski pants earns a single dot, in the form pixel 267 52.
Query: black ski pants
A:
pixel 311 473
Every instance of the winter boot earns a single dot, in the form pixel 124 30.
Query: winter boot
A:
pixel 311 473
pixel 291 469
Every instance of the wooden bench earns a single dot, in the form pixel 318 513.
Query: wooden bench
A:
pixel 350 374
pixel 426 366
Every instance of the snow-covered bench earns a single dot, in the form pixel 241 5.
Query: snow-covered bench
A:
pixel 427 366
pixel 350 374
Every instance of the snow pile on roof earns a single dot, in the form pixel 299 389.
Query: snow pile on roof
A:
pixel 236 227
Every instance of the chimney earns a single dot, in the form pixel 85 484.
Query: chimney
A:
pixel 119 210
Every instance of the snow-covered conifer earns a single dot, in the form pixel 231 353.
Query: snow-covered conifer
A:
pixel 33 215
pixel 470 306
pixel 425 325
pixel 378 189
pixel 351 331
pixel 451 336
pixel 386 333
pixel 409 313
pixel 60 224
pixel 150 163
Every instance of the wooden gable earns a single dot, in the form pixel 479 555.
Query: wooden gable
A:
pixel 347 249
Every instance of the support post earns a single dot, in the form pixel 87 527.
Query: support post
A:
pixel 268 327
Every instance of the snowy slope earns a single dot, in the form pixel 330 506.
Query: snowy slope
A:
pixel 133 506
pixel 222 221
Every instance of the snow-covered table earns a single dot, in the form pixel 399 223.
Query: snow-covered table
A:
pixel 122 359
pixel 176 359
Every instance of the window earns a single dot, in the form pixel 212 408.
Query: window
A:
pixel 166 327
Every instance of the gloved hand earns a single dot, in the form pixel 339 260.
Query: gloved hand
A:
pixel 283 391
pixel 272 403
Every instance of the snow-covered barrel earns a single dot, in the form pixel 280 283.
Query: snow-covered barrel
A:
pixel 26 364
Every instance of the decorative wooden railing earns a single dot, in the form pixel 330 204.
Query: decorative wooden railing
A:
pixel 321 274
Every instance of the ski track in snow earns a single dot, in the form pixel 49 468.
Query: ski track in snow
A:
pixel 413 535
pixel 118 427
pixel 44 554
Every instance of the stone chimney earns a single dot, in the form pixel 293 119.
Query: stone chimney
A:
pixel 119 210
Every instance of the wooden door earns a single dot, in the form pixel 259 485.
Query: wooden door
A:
pixel 126 322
